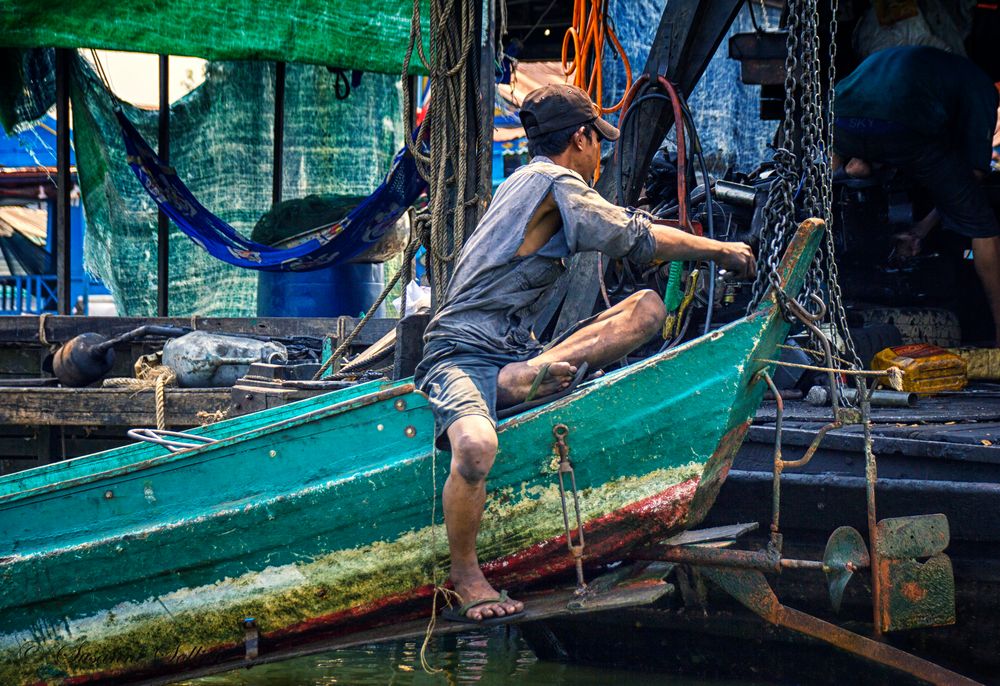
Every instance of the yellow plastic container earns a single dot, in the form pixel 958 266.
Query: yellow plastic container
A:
pixel 983 363
pixel 926 368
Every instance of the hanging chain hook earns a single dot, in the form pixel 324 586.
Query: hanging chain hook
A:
pixel 565 470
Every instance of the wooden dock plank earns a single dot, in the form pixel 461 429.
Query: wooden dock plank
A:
pixel 59 329
pixel 107 406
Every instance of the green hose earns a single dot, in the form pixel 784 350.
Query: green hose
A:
pixel 673 294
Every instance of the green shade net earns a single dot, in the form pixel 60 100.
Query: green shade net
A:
pixel 369 36
pixel 28 86
pixel 221 143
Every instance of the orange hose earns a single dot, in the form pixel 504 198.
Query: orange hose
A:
pixel 589 33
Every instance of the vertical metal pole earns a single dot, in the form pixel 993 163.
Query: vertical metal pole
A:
pixel 163 222
pixel 64 287
pixel 871 479
pixel 279 130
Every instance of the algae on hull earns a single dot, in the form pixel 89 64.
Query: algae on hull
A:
pixel 184 624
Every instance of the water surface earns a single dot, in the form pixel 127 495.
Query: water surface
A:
pixel 496 656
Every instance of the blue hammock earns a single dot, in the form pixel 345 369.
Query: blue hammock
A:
pixel 324 246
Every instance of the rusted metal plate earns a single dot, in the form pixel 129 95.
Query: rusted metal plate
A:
pixel 637 584
pixel 918 536
pixel 762 72
pixel 914 594
pixel 761 56
pixel 717 533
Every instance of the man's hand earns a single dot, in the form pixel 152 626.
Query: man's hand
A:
pixel 908 246
pixel 737 258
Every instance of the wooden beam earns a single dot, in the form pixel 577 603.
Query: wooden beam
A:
pixel 162 221
pixel 125 407
pixel 277 170
pixel 58 329
pixel 64 183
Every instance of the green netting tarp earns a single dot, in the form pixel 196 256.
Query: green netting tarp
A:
pixel 221 145
pixel 369 36
pixel 28 86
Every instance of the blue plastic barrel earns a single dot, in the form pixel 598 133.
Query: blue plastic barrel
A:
pixel 345 289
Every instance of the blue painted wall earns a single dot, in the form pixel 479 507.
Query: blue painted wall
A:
pixel 36 147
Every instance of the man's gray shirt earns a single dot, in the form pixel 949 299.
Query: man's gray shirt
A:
pixel 495 296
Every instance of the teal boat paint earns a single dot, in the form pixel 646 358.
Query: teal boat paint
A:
pixel 315 518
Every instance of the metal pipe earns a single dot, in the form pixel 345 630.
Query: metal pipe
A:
pixel 735 193
pixel 768 561
pixel 279 132
pixel 64 285
pixel 764 561
pixel 162 221
pixel 751 589
pixel 867 648
pixel 820 395
pixel 813 447
pixel 776 472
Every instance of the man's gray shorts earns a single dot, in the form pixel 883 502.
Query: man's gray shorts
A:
pixel 461 380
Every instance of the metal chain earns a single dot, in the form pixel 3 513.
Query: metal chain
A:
pixel 807 177
pixel 837 311
pixel 779 209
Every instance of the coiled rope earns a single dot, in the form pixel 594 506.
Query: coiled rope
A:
pixel 149 373
pixel 445 164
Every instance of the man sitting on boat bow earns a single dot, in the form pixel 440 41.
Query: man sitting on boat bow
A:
pixel 480 351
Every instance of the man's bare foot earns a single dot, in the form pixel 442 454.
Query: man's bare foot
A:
pixel 515 381
pixel 475 588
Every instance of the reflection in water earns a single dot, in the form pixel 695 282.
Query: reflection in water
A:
pixel 497 656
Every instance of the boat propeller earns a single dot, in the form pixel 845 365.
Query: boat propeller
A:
pixel 845 553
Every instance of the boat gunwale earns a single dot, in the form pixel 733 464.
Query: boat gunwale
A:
pixel 218 431
pixel 404 388
pixel 790 263
pixel 207 448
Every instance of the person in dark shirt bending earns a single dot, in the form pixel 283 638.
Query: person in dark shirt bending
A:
pixel 931 114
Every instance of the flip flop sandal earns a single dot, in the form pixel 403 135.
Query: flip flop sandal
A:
pixel 529 402
pixel 543 371
pixel 461 615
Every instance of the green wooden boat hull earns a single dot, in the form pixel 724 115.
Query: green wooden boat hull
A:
pixel 315 518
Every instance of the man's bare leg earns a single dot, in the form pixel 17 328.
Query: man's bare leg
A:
pixel 474 447
pixel 615 333
pixel 986 254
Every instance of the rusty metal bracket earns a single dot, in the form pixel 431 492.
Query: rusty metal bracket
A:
pixel 251 638
pixel 751 589
pixel 561 432
pixel 780 464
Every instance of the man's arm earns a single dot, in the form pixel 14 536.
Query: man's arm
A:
pixel 674 244
pixel 592 223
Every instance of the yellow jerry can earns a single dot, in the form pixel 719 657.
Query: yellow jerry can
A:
pixel 926 368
